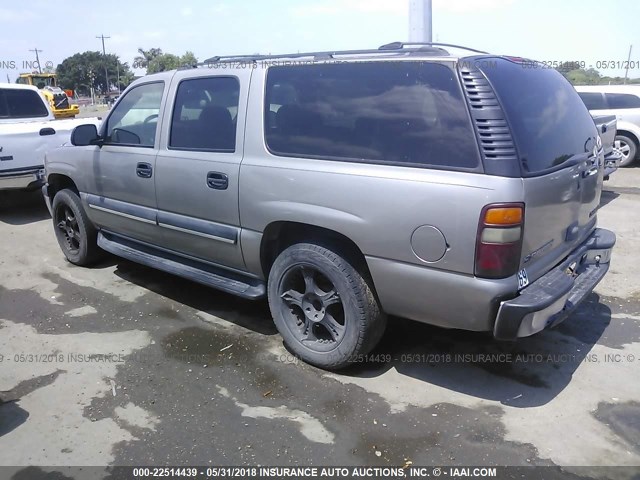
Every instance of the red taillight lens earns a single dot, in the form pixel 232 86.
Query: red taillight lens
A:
pixel 499 240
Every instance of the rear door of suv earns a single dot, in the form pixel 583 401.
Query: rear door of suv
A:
pixel 560 158
pixel 198 166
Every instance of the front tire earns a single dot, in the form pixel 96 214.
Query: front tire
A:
pixel 627 147
pixel 323 307
pixel 76 235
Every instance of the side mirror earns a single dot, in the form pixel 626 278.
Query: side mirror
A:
pixel 84 135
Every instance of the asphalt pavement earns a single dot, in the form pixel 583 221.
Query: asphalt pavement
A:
pixel 120 364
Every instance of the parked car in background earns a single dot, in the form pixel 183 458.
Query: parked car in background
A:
pixel 27 131
pixel 348 186
pixel 623 101
pixel 606 125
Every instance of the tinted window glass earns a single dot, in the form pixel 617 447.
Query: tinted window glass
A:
pixel 622 100
pixel 205 114
pixel 4 110
pixel 398 112
pixel 593 100
pixel 550 123
pixel 16 103
pixel 134 120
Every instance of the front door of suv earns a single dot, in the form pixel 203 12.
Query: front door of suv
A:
pixel 122 194
pixel 198 171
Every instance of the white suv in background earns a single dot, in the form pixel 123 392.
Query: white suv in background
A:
pixel 623 101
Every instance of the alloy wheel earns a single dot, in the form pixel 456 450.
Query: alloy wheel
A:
pixel 312 308
pixel 67 222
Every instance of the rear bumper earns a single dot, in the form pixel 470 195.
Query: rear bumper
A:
pixel 553 297
pixel 27 179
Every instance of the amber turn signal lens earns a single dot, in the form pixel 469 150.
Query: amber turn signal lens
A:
pixel 503 216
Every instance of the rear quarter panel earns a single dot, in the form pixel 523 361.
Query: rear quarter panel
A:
pixel 378 207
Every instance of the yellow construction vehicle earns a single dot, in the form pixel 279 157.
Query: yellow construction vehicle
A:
pixel 58 99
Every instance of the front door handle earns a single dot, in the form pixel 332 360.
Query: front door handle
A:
pixel 217 180
pixel 144 170
pixel 47 131
pixel 590 172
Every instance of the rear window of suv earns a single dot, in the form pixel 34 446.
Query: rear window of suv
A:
pixel 549 121
pixel 409 113
pixel 19 103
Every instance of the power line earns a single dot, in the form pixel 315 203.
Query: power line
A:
pixel 37 58
pixel 106 73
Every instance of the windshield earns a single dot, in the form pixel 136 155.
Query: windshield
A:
pixel 39 81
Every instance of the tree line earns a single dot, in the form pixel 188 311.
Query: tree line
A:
pixel 83 71
pixel 591 76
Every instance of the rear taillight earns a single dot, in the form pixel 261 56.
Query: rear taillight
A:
pixel 499 240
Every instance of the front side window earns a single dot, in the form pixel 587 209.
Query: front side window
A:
pixel 134 120
pixel 622 100
pixel 410 113
pixel 593 100
pixel 18 103
pixel 205 115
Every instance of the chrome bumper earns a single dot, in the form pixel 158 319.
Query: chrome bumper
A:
pixel 21 179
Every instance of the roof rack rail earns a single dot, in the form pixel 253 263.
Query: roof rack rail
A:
pixel 323 55
pixel 400 46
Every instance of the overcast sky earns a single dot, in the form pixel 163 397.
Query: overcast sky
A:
pixel 564 30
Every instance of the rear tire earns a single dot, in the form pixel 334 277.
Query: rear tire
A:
pixel 627 147
pixel 76 235
pixel 323 307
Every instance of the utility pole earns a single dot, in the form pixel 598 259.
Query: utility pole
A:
pixel 626 70
pixel 92 90
pixel 420 20
pixel 37 58
pixel 106 73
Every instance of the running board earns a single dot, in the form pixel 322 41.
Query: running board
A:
pixel 230 282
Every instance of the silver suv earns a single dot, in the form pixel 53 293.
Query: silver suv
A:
pixel 347 187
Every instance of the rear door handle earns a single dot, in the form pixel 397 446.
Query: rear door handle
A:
pixel 590 172
pixel 217 180
pixel 47 131
pixel 144 170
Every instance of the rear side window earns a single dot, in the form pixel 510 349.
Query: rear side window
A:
pixel 622 100
pixel 593 100
pixel 205 114
pixel 18 103
pixel 409 113
pixel 549 121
